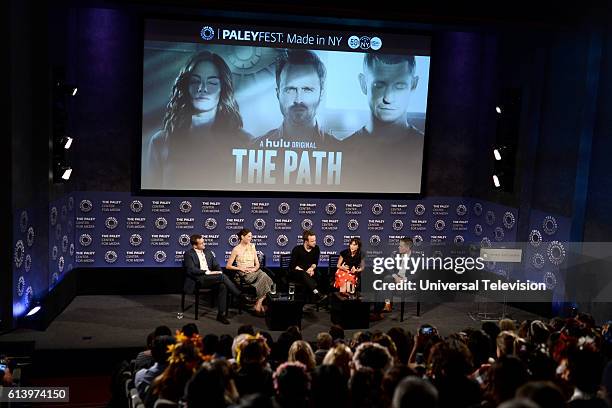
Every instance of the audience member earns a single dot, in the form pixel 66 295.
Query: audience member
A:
pixel 544 393
pixel 190 329
pixel 337 332
pixel 211 386
pixel 546 365
pixel 414 392
pixel 329 388
pixel 292 385
pixel 324 343
pixel 302 352
pixel 254 374
pixel 185 359
pixel 160 353
pixel 340 356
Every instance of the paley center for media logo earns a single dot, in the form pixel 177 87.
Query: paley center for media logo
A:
pixel 207 33
pixel 364 42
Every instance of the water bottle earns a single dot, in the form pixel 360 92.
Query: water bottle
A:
pixel 350 287
pixel 291 290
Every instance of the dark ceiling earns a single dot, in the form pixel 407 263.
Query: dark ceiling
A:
pixel 509 14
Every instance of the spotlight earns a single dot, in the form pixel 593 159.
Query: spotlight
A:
pixel 37 316
pixel 62 170
pixel 66 172
pixel 497 180
pixel 67 142
pixel 498 110
pixel 66 88
pixel 499 151
pixel 33 311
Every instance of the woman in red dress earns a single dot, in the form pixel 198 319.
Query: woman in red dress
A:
pixel 350 265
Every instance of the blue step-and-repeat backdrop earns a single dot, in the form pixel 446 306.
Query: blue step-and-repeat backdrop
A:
pixel 122 230
pixel 105 229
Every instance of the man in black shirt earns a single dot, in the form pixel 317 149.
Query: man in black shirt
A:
pixel 304 261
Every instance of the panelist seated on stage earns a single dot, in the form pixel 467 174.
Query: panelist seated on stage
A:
pixel 350 266
pixel 304 261
pixel 247 267
pixel 402 274
pixel 204 271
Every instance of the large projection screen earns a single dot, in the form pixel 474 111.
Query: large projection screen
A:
pixel 231 107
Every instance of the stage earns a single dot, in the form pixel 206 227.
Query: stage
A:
pixel 108 322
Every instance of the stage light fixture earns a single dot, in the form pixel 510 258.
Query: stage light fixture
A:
pixel 66 172
pixel 67 89
pixel 499 152
pixel 33 311
pixel 496 182
pixel 67 142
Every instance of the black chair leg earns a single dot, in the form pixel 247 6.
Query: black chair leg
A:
pixel 197 303
pixel 402 311
pixel 418 309
pixel 183 302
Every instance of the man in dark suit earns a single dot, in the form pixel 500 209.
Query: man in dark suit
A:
pixel 203 269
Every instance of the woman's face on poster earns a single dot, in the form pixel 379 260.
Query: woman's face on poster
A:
pixel 205 86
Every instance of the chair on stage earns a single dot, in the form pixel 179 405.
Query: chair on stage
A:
pixel 332 266
pixel 242 285
pixel 263 267
pixel 285 266
pixel 330 279
pixel 192 287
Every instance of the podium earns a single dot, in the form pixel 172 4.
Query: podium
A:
pixel 284 311
pixel 350 312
